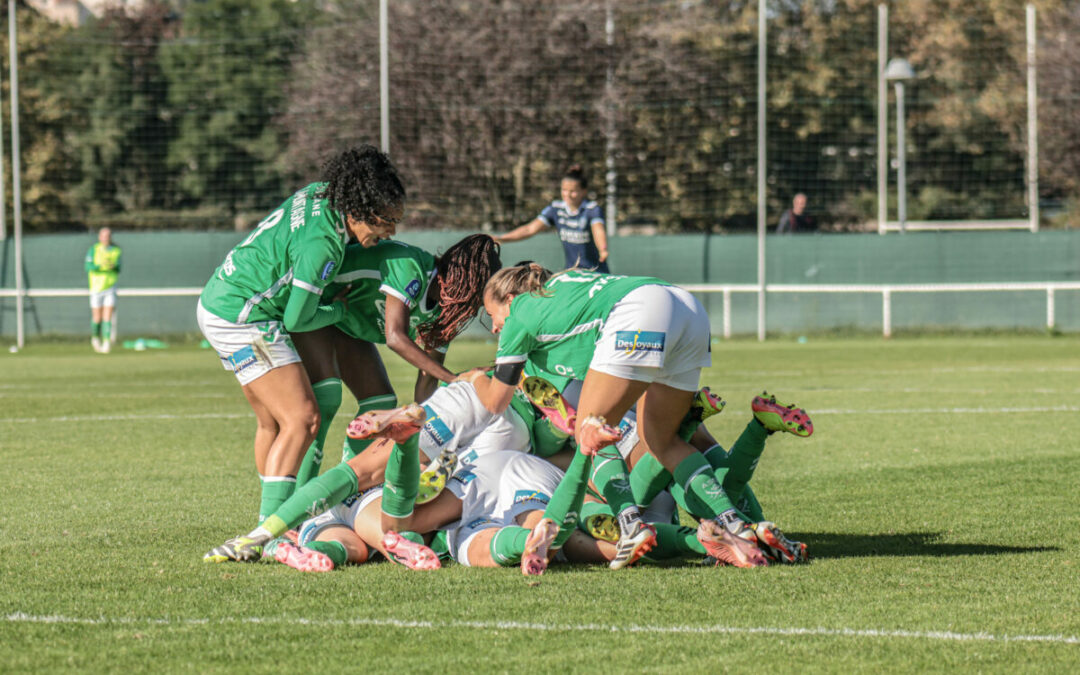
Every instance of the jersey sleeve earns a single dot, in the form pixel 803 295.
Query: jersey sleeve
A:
pixel 549 216
pixel 595 215
pixel 404 279
pixel 516 341
pixel 315 256
pixel 89 264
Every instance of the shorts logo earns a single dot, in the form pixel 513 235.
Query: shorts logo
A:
pixel 413 289
pixel 243 358
pixel 436 428
pixel 630 341
pixel 464 477
pixel 327 270
pixel 530 496
pixel 468 458
pixel 478 522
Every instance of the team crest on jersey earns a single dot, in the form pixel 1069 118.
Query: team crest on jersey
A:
pixel 413 289
pixel 630 341
pixel 530 496
pixel 436 428
pixel 328 269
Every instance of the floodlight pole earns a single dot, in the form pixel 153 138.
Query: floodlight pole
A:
pixel 16 183
pixel 882 120
pixel 384 77
pixel 761 167
pixel 901 159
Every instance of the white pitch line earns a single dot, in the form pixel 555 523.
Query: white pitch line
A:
pixel 21 617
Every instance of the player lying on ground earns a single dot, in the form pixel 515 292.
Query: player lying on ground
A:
pixel 398 295
pixel 506 508
pixel 452 422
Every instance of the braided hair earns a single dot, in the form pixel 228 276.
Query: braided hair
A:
pixel 463 272
pixel 362 182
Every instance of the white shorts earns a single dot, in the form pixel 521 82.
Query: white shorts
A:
pixel 495 491
pixel 458 420
pixel 249 350
pixel 105 298
pixel 342 515
pixel 655 334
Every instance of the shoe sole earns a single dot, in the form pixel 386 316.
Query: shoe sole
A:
pixel 776 416
pixel 551 403
pixel 603 527
pixel 410 554
pixel 220 555
pixel 397 424
pixel 640 548
pixel 767 536
pixel 431 486
pixel 726 547
pixel 534 561
pixel 303 559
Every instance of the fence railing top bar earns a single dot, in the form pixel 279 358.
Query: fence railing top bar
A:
pixel 931 225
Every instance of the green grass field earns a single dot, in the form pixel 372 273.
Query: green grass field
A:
pixel 939 495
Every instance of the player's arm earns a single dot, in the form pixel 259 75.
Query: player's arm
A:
pixel 494 392
pixel 89 264
pixel 599 235
pixel 426 384
pixel 522 231
pixel 396 321
pixel 303 311
pixel 119 256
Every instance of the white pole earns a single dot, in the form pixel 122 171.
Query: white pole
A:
pixel 1032 122
pixel 901 159
pixel 384 76
pixel 727 313
pixel 882 119
pixel 886 312
pixel 761 164
pixel 609 150
pixel 1049 306
pixel 20 320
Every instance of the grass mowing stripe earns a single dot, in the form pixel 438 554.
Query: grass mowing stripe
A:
pixel 121 418
pixel 21 617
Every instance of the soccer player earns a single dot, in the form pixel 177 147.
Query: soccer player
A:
pixel 579 221
pixel 398 295
pixel 270 285
pixel 630 339
pixel 102 268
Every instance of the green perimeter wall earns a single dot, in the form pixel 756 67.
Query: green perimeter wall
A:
pixel 186 259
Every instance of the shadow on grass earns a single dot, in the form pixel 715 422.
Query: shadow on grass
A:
pixel 833 545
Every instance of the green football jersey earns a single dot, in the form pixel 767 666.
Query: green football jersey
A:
pixel 557 331
pixel 300 244
pixel 388 268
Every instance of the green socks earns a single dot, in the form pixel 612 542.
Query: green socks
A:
pixel 95 329
pixel 508 545
pixel 321 494
pixel 354 446
pixel 328 398
pixel 106 330
pixel 743 458
pixel 648 478
pixel 703 495
pixel 675 541
pixel 275 490
pixel 565 505
pixel 402 479
pixel 610 477
pixel 334 550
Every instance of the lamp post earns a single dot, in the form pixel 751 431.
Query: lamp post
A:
pixel 897 71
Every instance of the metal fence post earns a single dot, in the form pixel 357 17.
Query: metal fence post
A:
pixel 1032 122
pixel 882 119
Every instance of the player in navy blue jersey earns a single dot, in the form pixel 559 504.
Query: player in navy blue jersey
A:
pixel 579 221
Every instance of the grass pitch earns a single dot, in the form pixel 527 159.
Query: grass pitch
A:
pixel 939 496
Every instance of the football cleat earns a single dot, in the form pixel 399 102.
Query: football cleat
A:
pixel 732 549
pixel 397 424
pixel 535 558
pixel 704 405
pixel 776 416
pixel 300 558
pixel 778 547
pixel 634 544
pixel 603 527
pixel 433 480
pixel 240 549
pixel 594 434
pixel 546 397
pixel 95 342
pixel 408 553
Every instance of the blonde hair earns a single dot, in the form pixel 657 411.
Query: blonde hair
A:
pixel 525 278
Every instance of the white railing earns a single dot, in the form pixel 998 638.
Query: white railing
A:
pixel 886 291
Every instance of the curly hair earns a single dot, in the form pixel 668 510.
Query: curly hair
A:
pixel 362 182
pixel 463 271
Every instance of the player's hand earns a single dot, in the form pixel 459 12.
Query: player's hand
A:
pixel 471 374
pixel 603 255
pixel 341 296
